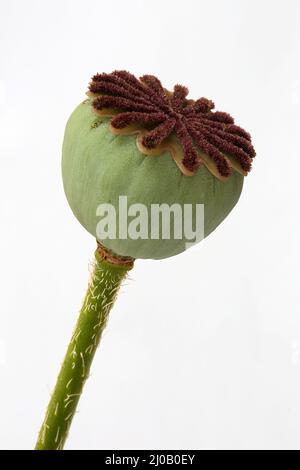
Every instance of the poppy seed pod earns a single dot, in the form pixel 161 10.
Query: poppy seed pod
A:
pixel 133 138
pixel 132 147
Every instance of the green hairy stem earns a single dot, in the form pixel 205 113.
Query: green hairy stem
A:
pixel 100 297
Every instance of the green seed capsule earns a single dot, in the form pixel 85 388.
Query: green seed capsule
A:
pixel 98 167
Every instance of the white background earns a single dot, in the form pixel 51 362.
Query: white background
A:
pixel 202 351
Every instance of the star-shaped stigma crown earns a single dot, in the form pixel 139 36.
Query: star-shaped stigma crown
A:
pixel 164 120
